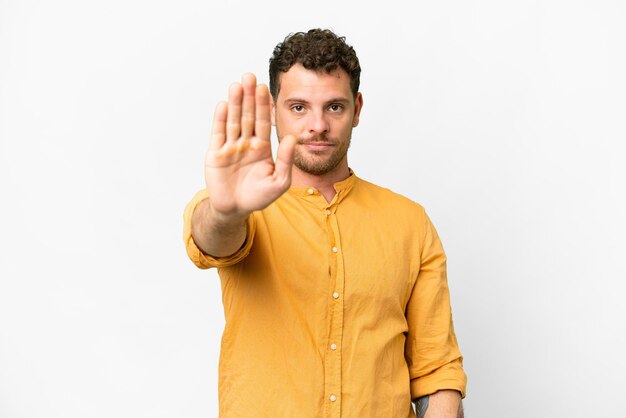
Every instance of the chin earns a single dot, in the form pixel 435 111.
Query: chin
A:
pixel 316 168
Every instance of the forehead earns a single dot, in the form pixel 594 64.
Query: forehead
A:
pixel 298 82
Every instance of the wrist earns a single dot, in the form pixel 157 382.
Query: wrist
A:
pixel 219 219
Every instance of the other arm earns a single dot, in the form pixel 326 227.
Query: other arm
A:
pixel 432 352
pixel 441 404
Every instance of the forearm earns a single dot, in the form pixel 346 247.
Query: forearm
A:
pixel 441 404
pixel 218 235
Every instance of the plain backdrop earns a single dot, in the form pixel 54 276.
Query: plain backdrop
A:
pixel 505 119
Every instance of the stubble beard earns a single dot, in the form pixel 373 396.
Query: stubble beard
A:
pixel 316 163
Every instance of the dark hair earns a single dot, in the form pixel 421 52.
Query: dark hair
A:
pixel 317 49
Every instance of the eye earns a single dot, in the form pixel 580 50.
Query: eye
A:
pixel 297 108
pixel 335 107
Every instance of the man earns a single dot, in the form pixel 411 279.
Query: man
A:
pixel 334 290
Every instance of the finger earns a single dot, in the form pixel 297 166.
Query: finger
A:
pixel 233 121
pixel 262 125
pixel 284 159
pixel 218 131
pixel 247 108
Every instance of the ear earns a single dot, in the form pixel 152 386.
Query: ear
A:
pixel 272 111
pixel 358 105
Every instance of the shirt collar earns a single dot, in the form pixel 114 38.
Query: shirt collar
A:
pixel 311 194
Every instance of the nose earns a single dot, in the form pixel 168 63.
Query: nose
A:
pixel 318 123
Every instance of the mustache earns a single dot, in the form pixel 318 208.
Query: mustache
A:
pixel 315 139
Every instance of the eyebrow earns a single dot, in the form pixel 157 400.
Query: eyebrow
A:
pixel 333 100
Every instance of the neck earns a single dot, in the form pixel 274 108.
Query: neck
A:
pixel 323 183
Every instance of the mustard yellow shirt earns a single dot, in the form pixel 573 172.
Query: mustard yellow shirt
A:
pixel 336 309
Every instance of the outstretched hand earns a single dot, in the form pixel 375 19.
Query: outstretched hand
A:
pixel 241 175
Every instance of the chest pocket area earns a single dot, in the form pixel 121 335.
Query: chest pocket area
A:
pixel 377 277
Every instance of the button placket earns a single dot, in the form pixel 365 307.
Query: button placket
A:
pixel 332 362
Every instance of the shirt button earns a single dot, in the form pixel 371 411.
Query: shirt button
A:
pixel 310 191
pixel 333 398
pixel 327 212
pixel 333 346
pixel 336 295
pixel 335 249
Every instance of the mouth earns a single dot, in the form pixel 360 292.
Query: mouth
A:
pixel 317 146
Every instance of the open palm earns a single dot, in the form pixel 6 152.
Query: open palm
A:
pixel 241 175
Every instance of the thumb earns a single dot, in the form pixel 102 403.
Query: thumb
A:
pixel 284 158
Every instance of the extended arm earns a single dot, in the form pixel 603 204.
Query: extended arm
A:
pixel 217 234
pixel 240 174
pixel 441 404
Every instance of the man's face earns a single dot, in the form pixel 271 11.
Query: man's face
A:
pixel 320 110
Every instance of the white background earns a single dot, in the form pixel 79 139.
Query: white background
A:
pixel 505 119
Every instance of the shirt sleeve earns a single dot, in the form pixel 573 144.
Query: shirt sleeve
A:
pixel 205 261
pixel 432 352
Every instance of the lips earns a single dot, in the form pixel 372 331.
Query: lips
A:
pixel 317 145
pixel 317 141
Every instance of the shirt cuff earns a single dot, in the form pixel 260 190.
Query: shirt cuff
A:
pixel 450 376
pixel 205 261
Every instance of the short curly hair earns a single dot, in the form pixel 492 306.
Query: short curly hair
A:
pixel 317 49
